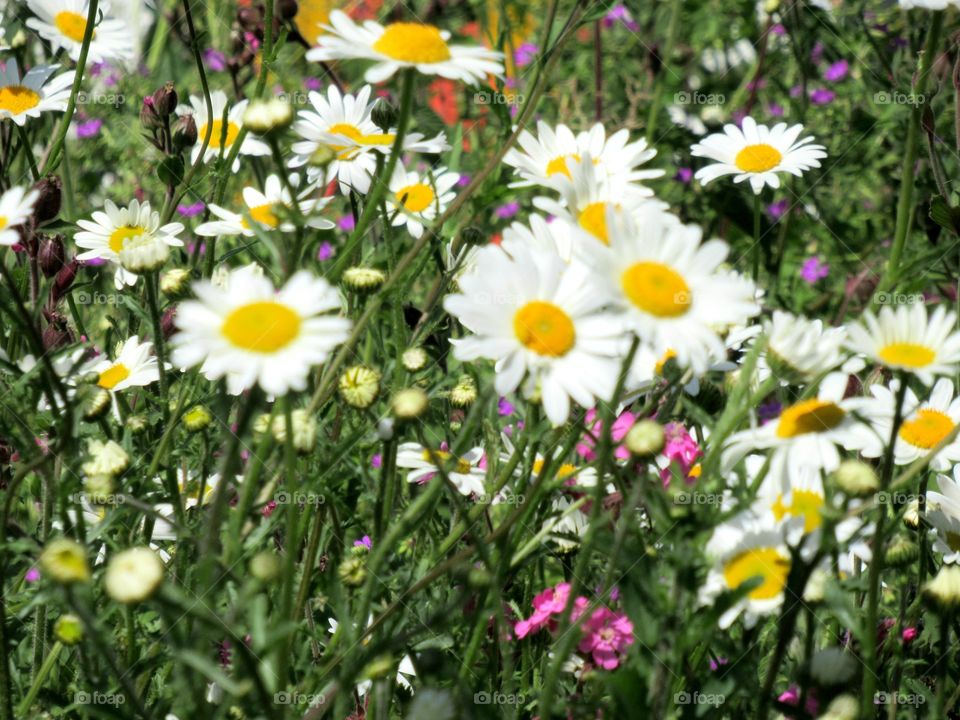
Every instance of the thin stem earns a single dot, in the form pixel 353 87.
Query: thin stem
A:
pixel 673 25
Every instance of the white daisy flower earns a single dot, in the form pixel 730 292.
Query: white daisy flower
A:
pixel 544 156
pixel 255 334
pixel 757 153
pixel 808 436
pixel 416 200
pixel 924 424
pixel 401 45
pixel 63 23
pixel 112 229
pixel 16 208
pixel 566 524
pixel 669 285
pixel 222 135
pixel 267 209
pixel 533 313
pixel 929 4
pixel 27 97
pixel 135 366
pixel 742 549
pixel 424 463
pixel 943 513
pixel 906 339
pixel 540 236
pixel 800 349
pixel 343 124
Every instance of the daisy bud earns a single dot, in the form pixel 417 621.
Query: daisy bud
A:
pixel 94 401
pixel 97 488
pixel 175 283
pixel 52 255
pixel 322 156
pixel 410 403
pixel 816 586
pixel 464 393
pixel 352 571
pixel 385 429
pixel 414 359
pixel 286 9
pixel 68 629
pixel 472 236
pixel 901 552
pixel 144 253
pixel 197 418
pixel 184 133
pixel 842 707
pixel 47 206
pixel 911 515
pixel 384 115
pixel 363 280
pixel 133 575
pixel 165 100
pixel 136 424
pixel 265 566
pixel 65 561
pixel 645 438
pixel 149 118
pixel 266 116
pixel 943 591
pixel 304 430
pixel 359 386
pixel 856 478
pixel 106 458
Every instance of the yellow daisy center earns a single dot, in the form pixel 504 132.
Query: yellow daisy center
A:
pixel 908 355
pixel 806 504
pixel 17 99
pixel 544 328
pixel 311 14
pixel 113 376
pixel 263 214
pixel 416 198
pixel 71 25
pixel 763 562
pixel 667 357
pixel 927 429
pixel 123 233
pixel 593 219
pixel 559 164
pixel 233 130
pixel 657 289
pixel 809 416
pixel 565 471
pixel 3 222
pixel 413 43
pixel 263 327
pixel 439 457
pixel 758 158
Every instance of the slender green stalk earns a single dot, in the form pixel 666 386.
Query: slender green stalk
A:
pixel 673 26
pixel 41 676
pixel 755 250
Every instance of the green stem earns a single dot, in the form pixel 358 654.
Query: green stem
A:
pixel 45 669
pixel 28 152
pixel 755 250
pixel 673 25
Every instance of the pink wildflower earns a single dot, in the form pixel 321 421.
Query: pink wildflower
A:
pixel 607 635
pixel 621 426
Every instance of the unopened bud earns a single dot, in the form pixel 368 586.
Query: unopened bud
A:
pixel 472 235
pixel 47 206
pixel 363 279
pixel 645 438
pixel 165 100
pixel 168 322
pixel 856 478
pixel 184 132
pixel 384 115
pixel 149 118
pixel 410 403
pixel 68 629
pixel 52 255
pixel 266 116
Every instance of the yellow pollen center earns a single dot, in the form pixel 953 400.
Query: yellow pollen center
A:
pixel 544 328
pixel 593 219
pixel 3 222
pixel 908 355
pixel 113 376
pixel 763 562
pixel 927 429
pixel 565 471
pixel 416 198
pixel 120 236
pixel 413 43
pixel 71 24
pixel 216 134
pixel 263 214
pixel 311 16
pixel 657 289
pixel 440 457
pixel 263 327
pixel 758 158
pixel 559 165
pixel 809 416
pixel 17 99
pixel 806 504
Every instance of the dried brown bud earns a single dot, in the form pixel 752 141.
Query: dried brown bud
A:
pixel 168 322
pixel 64 280
pixel 184 133
pixel 52 255
pixel 286 9
pixel 56 335
pixel 165 100
pixel 47 206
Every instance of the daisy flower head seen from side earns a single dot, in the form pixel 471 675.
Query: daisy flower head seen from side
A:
pixel 424 464
pixel 16 208
pixel 402 45
pixel 114 229
pixel 943 513
pixel 416 200
pixel 63 24
pixel 253 334
pixel 538 317
pixel 134 366
pixel 908 339
pixel 544 156
pixel 670 286
pixel 551 236
pixel 26 97
pixel 269 209
pixel 798 350
pixel 224 129
pixel 757 153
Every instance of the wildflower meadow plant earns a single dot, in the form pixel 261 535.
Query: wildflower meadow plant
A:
pixel 495 358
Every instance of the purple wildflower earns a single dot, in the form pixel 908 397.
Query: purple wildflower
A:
pixel 814 269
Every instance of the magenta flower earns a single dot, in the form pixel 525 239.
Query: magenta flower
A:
pixel 822 96
pixel 607 635
pixel 33 574
pixel 192 210
pixel 621 426
pixel 814 270
pixel 525 54
pixel 89 128
pixel 325 252
pixel 364 542
pixel 507 210
pixel 684 174
pixel 215 60
pixel 680 448
pixel 504 407
pixel 778 209
pixel 837 71
pixel 347 222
